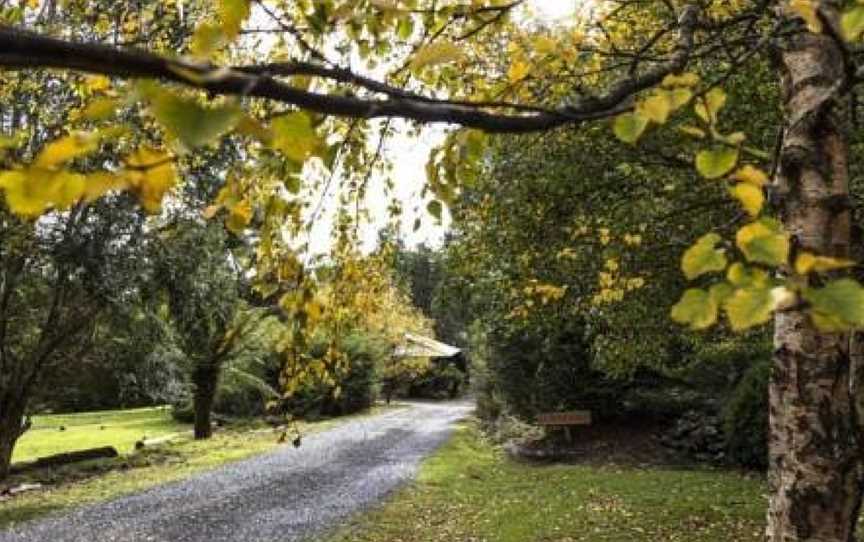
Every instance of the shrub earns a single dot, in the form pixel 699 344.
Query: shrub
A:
pixel 243 393
pixel 530 370
pixel 356 384
pixel 745 418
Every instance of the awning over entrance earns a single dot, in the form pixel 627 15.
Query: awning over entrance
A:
pixel 416 346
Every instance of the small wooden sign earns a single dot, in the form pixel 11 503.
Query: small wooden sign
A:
pixel 576 417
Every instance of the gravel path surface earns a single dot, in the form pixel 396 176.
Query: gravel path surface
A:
pixel 286 495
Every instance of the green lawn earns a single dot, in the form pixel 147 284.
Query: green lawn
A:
pixel 118 428
pixel 468 492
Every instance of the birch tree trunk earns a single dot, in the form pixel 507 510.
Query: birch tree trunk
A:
pixel 815 463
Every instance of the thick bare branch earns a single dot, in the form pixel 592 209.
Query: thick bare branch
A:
pixel 21 49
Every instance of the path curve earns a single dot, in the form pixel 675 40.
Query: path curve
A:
pixel 286 495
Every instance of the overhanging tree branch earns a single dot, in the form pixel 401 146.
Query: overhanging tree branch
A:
pixel 22 49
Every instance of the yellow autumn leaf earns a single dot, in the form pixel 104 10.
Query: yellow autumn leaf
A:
pixel 518 71
pixel 749 307
pixel 710 104
pixel 735 138
pixel 703 257
pixel 150 173
pixel 686 79
pixel 807 262
pixel 31 192
pixel 750 175
pixel 63 188
pixel 751 197
pixel 680 97
pixel 239 217
pixel 97 83
pixel 655 107
pixel 545 44
pixel 100 183
pixel 764 241
pixel 807 10
pixel 66 148
pixel 22 197
pixel 696 308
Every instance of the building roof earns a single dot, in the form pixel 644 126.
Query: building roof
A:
pixel 417 346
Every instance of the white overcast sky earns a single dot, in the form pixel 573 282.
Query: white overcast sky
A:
pixel 409 155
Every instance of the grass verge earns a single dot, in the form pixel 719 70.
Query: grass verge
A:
pixel 469 492
pixel 100 480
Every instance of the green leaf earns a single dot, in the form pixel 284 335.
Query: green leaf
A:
pixel 852 22
pixel 192 123
pixel 764 241
pixel 293 183
pixel 406 27
pixel 628 127
pixel 720 292
pixel 838 306
pixel 703 257
pixel 742 276
pixel 208 37
pixel 440 52
pixel 715 163
pixel 435 208
pixel 696 309
pixel 749 307
pixel 100 108
pixel 295 137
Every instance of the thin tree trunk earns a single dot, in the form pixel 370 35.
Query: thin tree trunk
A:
pixel 815 464
pixel 206 380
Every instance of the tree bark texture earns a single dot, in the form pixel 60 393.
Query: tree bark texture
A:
pixel 815 463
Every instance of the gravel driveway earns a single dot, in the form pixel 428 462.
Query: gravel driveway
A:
pixel 286 495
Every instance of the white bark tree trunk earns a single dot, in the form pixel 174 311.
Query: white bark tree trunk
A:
pixel 815 473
